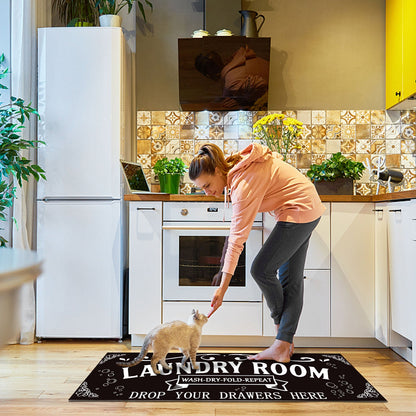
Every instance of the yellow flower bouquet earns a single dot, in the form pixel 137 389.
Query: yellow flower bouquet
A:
pixel 278 132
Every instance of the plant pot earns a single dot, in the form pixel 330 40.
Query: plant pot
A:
pixel 169 183
pixel 341 186
pixel 110 20
pixel 83 24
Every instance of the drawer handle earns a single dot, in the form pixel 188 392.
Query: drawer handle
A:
pixel 184 211
pixel 395 210
pixel 146 209
pixel 377 210
pixel 204 227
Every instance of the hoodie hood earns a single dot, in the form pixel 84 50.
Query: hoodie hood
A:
pixel 253 153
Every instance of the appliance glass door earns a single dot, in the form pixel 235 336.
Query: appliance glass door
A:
pixel 200 258
pixel 192 257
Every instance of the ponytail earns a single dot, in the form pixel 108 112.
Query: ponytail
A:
pixel 233 159
pixel 210 157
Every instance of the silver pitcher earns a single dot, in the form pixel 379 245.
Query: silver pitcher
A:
pixel 248 23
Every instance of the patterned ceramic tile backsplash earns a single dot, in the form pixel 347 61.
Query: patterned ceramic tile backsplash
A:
pixel 358 134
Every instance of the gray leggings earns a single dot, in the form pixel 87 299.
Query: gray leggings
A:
pixel 285 250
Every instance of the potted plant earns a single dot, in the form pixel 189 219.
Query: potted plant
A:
pixel 109 10
pixel 278 132
pixel 76 12
pixel 335 175
pixel 12 118
pixel 169 173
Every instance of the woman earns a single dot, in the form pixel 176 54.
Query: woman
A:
pixel 258 180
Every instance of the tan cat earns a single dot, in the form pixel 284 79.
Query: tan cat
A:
pixel 162 338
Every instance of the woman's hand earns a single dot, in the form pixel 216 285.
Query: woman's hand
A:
pixel 216 301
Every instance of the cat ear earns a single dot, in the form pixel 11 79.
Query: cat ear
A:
pixel 195 313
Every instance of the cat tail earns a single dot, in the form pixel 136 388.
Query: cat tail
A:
pixel 146 345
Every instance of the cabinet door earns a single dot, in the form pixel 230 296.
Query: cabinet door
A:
pixel 352 270
pixel 402 274
pixel 409 48
pixel 381 275
pixel 394 51
pixel 315 318
pixel 145 259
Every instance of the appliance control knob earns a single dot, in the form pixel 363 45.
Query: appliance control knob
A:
pixel 184 211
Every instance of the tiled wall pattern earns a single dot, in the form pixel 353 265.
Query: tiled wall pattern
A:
pixel 358 134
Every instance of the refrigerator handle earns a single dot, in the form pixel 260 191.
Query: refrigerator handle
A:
pixel 77 199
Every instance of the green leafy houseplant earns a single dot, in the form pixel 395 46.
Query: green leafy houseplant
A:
pixel 169 172
pixel 12 118
pixel 338 166
pixel 76 12
pixel 114 6
pixel 165 165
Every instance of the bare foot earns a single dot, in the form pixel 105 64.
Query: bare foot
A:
pixel 292 345
pixel 279 351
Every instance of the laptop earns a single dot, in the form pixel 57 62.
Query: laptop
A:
pixel 135 178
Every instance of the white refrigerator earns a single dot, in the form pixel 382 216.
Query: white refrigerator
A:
pixel 85 108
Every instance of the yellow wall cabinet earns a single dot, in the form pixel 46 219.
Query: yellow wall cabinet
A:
pixel 400 51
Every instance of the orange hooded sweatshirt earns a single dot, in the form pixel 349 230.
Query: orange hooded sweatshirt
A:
pixel 263 182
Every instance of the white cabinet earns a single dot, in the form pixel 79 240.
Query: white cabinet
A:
pixel 339 298
pixel 381 274
pixel 315 317
pixel 145 259
pixel 346 276
pixel 352 270
pixel 402 254
pixel 316 314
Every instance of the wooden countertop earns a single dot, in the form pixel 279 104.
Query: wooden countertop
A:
pixel 394 196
